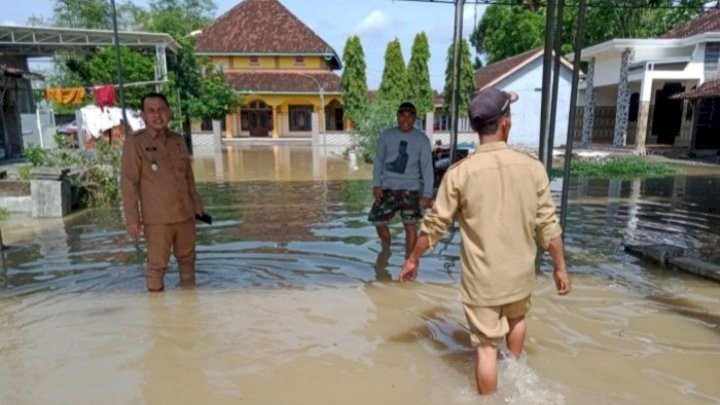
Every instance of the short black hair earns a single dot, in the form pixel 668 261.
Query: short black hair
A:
pixel 491 127
pixel 153 94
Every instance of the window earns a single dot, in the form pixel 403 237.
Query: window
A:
pixel 300 118
pixel 254 60
pixel 299 61
pixel 634 107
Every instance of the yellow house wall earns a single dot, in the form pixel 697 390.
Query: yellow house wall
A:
pixel 311 62
pixel 281 102
pixel 243 62
pixel 270 62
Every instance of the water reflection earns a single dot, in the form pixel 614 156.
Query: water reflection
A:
pixel 291 281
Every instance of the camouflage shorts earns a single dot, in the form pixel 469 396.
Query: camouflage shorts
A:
pixel 405 201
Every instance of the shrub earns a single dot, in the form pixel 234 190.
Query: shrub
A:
pixel 95 173
pixel 621 167
pixel 377 117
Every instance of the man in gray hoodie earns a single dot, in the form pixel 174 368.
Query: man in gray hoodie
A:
pixel 402 177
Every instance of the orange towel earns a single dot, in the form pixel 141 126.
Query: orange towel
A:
pixel 70 95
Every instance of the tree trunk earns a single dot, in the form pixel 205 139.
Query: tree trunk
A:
pixel 187 133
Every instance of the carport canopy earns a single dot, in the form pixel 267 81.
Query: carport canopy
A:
pixel 30 41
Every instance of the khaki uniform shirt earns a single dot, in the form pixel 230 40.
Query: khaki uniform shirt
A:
pixel 166 195
pixel 502 201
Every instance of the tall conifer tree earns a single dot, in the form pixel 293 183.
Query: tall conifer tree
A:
pixel 353 83
pixel 420 91
pixel 467 79
pixel 394 84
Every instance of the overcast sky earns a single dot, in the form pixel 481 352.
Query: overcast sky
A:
pixel 376 22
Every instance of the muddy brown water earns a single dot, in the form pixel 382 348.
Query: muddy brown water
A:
pixel 295 303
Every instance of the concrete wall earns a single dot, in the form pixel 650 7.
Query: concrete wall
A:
pixel 526 111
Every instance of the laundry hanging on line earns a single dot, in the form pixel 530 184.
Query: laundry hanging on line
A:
pixel 104 96
pixel 67 95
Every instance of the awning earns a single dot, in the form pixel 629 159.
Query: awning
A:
pixel 20 74
pixel 708 89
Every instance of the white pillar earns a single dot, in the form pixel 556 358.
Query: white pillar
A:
pixel 643 114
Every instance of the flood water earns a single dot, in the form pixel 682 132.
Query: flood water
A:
pixel 296 304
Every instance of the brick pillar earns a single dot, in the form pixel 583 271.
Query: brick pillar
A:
pixel 589 109
pixel 623 103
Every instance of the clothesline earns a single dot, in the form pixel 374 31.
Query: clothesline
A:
pixel 104 94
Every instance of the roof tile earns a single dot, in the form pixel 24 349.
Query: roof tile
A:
pixel 261 26
pixel 282 81
pixel 708 89
pixel 708 21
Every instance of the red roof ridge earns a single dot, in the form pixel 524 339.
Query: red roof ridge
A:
pixel 262 26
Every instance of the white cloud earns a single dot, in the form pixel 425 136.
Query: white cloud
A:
pixel 375 24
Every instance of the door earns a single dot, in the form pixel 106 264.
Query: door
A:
pixel 257 118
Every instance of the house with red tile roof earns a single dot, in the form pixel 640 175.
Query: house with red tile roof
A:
pixel 657 91
pixel 284 70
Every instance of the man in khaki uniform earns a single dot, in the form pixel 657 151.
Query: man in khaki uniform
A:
pixel 158 193
pixel 502 201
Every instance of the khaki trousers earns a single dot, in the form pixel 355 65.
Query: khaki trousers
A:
pixel 180 237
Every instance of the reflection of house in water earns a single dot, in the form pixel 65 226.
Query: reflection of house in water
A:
pixel 283 69
pixel 658 91
pixel 680 210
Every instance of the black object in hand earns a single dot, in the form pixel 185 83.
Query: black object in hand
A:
pixel 204 217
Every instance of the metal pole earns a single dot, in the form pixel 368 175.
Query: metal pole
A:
pixel 547 67
pixel 555 85
pixel 571 115
pixel 119 71
pixel 454 108
pixel 322 109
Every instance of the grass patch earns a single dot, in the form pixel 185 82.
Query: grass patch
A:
pixel 616 168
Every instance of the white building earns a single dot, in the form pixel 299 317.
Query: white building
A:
pixel 654 91
pixel 523 74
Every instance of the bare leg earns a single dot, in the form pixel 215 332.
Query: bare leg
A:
pixel 384 233
pixel 486 374
pixel 516 337
pixel 410 237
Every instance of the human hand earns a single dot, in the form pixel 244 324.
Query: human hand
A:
pixel 134 230
pixel 409 271
pixel 426 202
pixel 377 193
pixel 563 284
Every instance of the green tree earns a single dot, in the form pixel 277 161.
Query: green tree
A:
pixel 216 98
pixel 467 78
pixel 378 116
pixel 494 38
pixel 178 17
pixel 136 68
pixel 507 31
pixel 420 91
pixel 92 14
pixel 394 84
pixel 353 83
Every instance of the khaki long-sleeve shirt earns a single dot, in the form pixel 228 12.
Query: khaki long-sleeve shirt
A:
pixel 502 201
pixel 157 181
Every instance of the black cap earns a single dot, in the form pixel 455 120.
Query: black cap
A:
pixel 407 106
pixel 487 106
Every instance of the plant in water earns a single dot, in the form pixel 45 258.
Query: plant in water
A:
pixel 95 173
pixel 374 120
pixel 622 167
